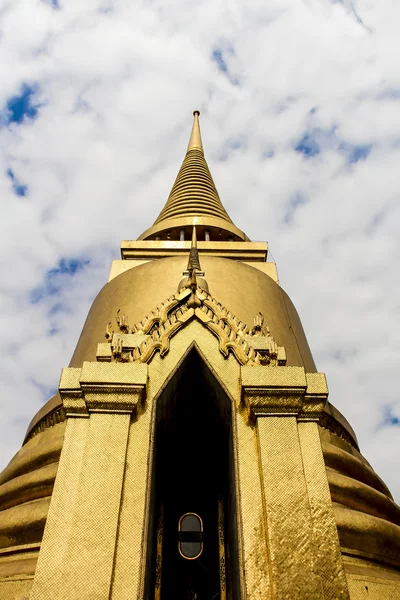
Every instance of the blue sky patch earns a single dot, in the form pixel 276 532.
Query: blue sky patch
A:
pixel 389 419
pixel 389 94
pixel 218 56
pixel 308 145
pixel 57 307
pixel 376 221
pixel 294 203
pixel 357 153
pixel 23 106
pixel 55 279
pixel 343 356
pixel 354 152
pixel 230 146
pixel 47 392
pixel 338 355
pixel 268 154
pixel 314 141
pixel 18 187
pixel 68 266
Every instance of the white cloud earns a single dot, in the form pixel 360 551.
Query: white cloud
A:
pixel 117 82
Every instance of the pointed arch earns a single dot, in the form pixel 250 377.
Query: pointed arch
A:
pixel 193 467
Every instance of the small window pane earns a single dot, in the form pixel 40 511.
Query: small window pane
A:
pixel 190 536
pixel 190 523
pixel 191 549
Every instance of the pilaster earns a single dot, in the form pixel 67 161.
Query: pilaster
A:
pixel 100 401
pixel 284 405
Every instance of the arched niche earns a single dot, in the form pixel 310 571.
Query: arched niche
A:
pixel 193 472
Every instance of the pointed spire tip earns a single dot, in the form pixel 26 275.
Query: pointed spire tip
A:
pixel 195 142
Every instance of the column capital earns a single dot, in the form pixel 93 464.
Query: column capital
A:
pixel 103 387
pixel 283 391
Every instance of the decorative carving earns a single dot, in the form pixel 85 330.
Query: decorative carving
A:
pixel 262 341
pixel 194 259
pixel 122 322
pixel 57 416
pixel 155 331
pixel 259 328
pixel 109 332
pixel 330 424
pixel 118 351
pixel 193 269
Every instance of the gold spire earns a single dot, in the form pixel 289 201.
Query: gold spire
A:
pixel 194 200
pixel 195 142
pixel 194 195
pixel 194 191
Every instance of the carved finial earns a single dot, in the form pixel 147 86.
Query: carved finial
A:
pixel 193 266
pixel 258 324
pixel 109 332
pixel 259 327
pixel 122 322
pixel 194 260
pixel 117 350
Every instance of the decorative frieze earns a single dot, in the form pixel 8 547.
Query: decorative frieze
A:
pixel 154 332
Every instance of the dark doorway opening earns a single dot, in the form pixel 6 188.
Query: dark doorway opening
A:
pixel 193 473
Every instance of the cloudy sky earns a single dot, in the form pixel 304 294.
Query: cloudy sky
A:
pixel 300 115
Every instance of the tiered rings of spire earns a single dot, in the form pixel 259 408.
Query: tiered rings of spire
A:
pixel 194 200
pixel 194 191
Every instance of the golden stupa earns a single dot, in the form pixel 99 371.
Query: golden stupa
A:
pixel 191 451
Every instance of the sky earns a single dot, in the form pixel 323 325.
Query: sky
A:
pixel 300 117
